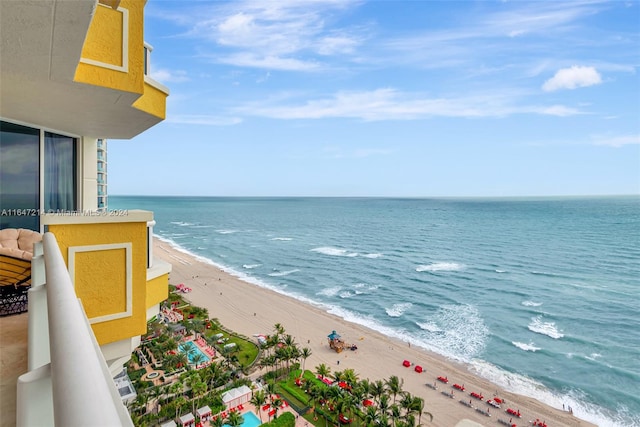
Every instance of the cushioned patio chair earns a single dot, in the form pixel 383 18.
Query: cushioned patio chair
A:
pixel 16 251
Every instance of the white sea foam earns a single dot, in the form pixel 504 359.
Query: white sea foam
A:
pixel 363 288
pixel 531 303
pixel 286 239
pixel 526 386
pixel 593 356
pixel 181 224
pixel 440 266
pixel 501 271
pixel 250 266
pixel 347 294
pixel 399 309
pixel 330 292
pixel 282 273
pixel 328 250
pixel 227 231
pixel 526 347
pixel 373 255
pixel 429 326
pixel 456 331
pixel 549 329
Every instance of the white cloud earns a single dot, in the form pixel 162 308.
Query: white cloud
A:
pixel 572 78
pixel 246 59
pixel 559 110
pixel 194 119
pixel 169 76
pixel 390 104
pixel 617 141
pixel 270 34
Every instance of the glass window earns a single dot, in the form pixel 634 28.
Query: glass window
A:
pixel 59 172
pixel 19 176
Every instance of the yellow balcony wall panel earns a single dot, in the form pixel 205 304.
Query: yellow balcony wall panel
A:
pixel 154 101
pixel 157 290
pixel 107 267
pixel 113 52
pixel 108 285
pixel 104 42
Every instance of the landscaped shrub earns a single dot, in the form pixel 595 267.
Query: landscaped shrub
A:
pixel 287 419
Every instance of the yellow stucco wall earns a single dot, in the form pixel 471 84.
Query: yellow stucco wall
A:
pixel 157 290
pixel 99 274
pixel 104 43
pixel 153 101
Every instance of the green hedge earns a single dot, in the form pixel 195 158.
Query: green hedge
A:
pixel 287 419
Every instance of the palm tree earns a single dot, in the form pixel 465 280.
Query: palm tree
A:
pixel 141 402
pixel 197 358
pixel 278 329
pixel 323 370
pixel 383 404
pixel 179 401
pixel 181 359
pixel 198 389
pixel 154 395
pixel 406 403
pixel 258 399
pixel 170 345
pixel 349 376
pixel 394 411
pixel 418 405
pixel 377 390
pixel 176 388
pixel 394 385
pixel 276 404
pixel 305 354
pixel 217 421
pixel 370 416
pixel 235 419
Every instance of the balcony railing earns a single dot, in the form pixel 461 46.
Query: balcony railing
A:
pixel 68 382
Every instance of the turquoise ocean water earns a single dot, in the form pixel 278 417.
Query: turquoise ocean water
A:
pixel 540 295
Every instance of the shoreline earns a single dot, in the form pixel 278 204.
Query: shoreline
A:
pixel 251 309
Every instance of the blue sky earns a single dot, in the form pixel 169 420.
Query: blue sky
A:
pixel 389 98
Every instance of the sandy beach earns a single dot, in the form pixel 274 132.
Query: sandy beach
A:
pixel 249 310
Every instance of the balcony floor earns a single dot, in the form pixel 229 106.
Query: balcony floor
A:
pixel 13 363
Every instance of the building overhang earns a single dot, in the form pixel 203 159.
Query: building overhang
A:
pixel 40 47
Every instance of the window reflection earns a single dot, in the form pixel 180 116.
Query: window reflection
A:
pixel 19 176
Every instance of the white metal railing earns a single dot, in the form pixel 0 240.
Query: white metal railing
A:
pixel 69 383
pixel 150 225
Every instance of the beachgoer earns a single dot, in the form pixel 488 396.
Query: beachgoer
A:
pixel 338 362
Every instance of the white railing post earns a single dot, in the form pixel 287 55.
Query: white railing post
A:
pixel 150 225
pixel 38 337
pixel 82 394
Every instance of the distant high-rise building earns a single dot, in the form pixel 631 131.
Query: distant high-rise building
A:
pixel 102 174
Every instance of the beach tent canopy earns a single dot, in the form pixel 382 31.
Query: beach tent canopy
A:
pixel 204 411
pixel 333 335
pixel 418 369
pixel 236 396
pixel 169 423
pixel 187 419
pixel 406 363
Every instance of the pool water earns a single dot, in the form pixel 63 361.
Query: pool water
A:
pixel 250 420
pixel 190 349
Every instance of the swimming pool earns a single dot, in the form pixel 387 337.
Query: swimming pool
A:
pixel 190 349
pixel 250 420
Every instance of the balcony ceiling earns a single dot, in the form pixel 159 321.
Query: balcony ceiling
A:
pixel 40 46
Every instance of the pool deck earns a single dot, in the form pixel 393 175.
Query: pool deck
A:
pixel 264 415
